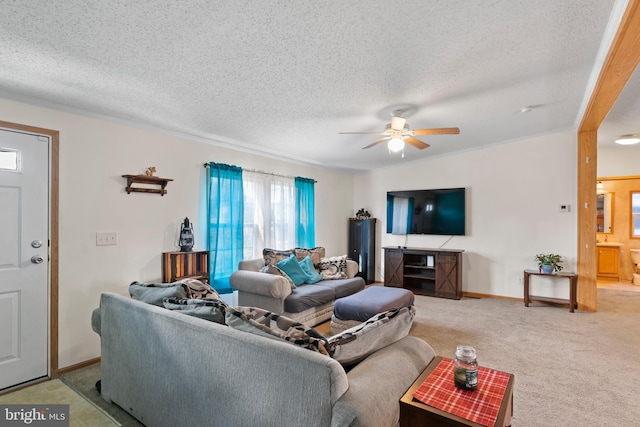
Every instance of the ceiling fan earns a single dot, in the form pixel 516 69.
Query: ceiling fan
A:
pixel 397 133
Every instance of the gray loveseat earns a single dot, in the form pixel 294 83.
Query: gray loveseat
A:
pixel 308 304
pixel 168 369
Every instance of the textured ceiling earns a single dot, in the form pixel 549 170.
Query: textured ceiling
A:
pixel 283 78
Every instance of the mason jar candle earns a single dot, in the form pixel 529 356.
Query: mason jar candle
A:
pixel 465 368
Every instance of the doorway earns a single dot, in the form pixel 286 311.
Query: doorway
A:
pixel 621 61
pixel 28 254
pixel 616 236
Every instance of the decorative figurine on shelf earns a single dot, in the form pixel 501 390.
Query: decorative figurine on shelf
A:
pixel 150 171
pixel 186 236
pixel 362 214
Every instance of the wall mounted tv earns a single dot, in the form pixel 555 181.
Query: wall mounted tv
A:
pixel 440 212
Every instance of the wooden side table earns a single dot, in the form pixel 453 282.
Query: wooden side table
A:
pixel 573 289
pixel 415 413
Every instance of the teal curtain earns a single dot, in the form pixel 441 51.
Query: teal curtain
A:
pixel 305 217
pixel 226 217
pixel 410 215
pixel 390 200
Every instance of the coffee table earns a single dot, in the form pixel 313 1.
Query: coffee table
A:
pixel 415 413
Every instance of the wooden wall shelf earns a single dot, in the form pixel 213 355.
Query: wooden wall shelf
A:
pixel 145 179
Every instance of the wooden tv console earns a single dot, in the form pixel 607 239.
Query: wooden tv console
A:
pixel 424 271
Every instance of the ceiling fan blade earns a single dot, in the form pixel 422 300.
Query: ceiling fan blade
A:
pixel 416 142
pixel 362 133
pixel 437 131
pixel 376 142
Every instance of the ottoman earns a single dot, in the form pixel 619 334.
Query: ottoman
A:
pixel 357 308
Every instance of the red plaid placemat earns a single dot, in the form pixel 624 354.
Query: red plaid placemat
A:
pixel 480 406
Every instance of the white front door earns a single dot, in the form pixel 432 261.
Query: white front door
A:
pixel 24 257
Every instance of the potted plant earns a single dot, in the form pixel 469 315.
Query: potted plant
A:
pixel 548 263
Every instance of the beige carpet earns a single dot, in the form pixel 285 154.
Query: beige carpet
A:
pixel 571 369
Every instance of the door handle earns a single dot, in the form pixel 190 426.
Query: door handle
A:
pixel 37 259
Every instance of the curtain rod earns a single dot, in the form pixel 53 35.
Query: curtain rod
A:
pixel 206 165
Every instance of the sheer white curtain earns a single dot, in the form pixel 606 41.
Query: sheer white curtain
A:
pixel 400 215
pixel 269 213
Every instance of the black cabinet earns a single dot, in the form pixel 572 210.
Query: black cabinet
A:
pixel 362 247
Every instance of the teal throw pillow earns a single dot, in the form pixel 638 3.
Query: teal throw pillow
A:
pixel 307 266
pixel 293 270
pixel 272 269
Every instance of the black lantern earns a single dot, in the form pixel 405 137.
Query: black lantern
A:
pixel 186 236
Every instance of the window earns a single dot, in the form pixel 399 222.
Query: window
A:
pixel 249 211
pixel 9 159
pixel 400 215
pixel 635 214
pixel 269 213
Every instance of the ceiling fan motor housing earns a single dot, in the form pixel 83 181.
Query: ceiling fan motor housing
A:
pixel 398 123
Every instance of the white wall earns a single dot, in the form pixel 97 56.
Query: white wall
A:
pixel 94 154
pixel 619 160
pixel 514 192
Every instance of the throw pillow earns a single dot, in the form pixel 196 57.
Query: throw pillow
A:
pixel 274 326
pixel 334 267
pixel 293 270
pixel 272 269
pixel 274 256
pixel 352 268
pixel 196 289
pixel 153 293
pixel 354 344
pixel 312 275
pixel 205 308
pixel 316 254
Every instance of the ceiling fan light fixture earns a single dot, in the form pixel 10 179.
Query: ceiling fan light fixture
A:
pixel 395 144
pixel 628 139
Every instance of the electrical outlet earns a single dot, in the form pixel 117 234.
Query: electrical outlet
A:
pixel 105 239
pixel 565 208
pixel 521 281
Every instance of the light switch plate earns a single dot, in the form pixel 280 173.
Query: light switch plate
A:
pixel 105 239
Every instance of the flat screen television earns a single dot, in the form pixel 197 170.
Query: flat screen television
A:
pixel 440 212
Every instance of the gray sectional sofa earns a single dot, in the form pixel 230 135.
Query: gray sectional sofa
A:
pixel 168 369
pixel 309 304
